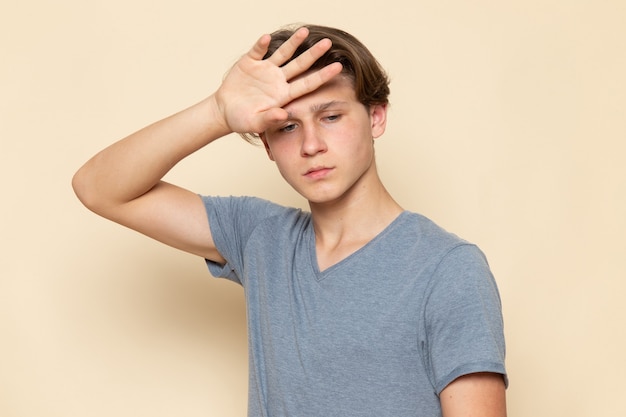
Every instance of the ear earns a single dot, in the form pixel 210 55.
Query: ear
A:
pixel 267 147
pixel 378 119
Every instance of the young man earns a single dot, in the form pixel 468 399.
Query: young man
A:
pixel 358 308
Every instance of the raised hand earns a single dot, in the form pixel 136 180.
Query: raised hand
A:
pixel 254 91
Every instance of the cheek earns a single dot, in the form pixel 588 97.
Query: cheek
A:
pixel 275 148
pixel 284 158
pixel 282 150
pixel 358 140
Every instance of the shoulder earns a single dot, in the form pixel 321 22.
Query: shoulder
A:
pixel 245 212
pixel 239 203
pixel 439 254
pixel 242 207
pixel 425 236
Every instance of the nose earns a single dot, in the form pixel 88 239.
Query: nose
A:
pixel 312 142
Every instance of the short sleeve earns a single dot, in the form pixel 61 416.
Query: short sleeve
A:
pixel 232 221
pixel 463 319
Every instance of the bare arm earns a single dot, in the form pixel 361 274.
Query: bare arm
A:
pixel 475 395
pixel 123 182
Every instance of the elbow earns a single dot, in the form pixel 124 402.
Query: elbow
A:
pixel 84 189
pixel 92 188
pixel 79 187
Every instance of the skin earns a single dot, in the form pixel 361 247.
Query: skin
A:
pixel 327 139
pixel 124 181
pixel 325 151
pixel 475 395
pixel 322 141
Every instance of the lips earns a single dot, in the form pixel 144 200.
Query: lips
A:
pixel 317 172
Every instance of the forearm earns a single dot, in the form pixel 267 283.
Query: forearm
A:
pixel 134 165
pixel 250 99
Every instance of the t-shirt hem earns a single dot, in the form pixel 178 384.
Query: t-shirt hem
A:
pixel 492 367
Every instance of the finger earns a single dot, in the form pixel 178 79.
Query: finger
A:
pixel 313 81
pixel 304 61
pixel 259 49
pixel 287 49
pixel 274 116
pixel 268 118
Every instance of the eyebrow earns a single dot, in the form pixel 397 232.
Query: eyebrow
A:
pixel 315 108
pixel 325 106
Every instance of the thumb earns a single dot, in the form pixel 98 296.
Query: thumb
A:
pixel 273 116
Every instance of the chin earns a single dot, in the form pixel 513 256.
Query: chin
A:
pixel 320 200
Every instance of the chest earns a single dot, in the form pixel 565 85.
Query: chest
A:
pixel 359 308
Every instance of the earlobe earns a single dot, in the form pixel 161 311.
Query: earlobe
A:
pixel 378 118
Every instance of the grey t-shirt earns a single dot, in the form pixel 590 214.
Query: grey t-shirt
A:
pixel 380 333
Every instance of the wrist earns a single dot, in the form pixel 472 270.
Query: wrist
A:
pixel 215 118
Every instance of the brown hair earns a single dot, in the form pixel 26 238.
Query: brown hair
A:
pixel 370 81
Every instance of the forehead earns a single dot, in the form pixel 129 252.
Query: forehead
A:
pixel 339 90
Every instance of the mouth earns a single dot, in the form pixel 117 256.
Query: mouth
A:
pixel 317 172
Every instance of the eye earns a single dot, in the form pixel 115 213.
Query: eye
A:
pixel 288 128
pixel 332 118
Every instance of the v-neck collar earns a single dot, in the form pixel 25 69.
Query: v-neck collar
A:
pixel 322 274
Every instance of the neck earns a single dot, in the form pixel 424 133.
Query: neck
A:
pixel 343 227
pixel 354 218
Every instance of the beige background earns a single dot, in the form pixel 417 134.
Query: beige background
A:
pixel 507 127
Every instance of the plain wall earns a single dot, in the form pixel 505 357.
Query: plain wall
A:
pixel 507 127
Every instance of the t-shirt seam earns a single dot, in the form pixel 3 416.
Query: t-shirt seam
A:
pixel 424 344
